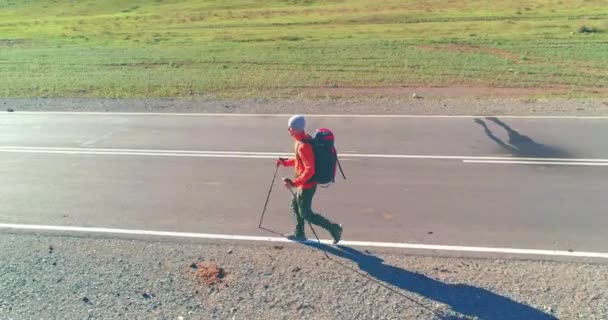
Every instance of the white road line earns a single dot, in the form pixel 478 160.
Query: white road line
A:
pixel 157 154
pixel 413 246
pixel 286 115
pixel 440 157
pixel 267 155
pixel 94 141
pixel 553 163
pixel 139 150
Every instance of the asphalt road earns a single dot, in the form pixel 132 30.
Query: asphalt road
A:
pixel 415 180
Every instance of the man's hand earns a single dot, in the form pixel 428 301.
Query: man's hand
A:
pixel 287 183
pixel 280 162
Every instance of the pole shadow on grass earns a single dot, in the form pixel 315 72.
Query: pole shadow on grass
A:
pixel 520 145
pixel 461 298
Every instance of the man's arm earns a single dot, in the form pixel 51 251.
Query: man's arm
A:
pixel 307 156
pixel 290 162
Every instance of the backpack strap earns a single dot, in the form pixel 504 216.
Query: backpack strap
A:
pixel 339 165
pixel 297 146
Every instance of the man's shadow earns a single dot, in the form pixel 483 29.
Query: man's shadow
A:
pixel 464 299
pixel 521 145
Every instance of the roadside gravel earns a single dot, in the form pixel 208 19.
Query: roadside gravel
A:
pixel 412 106
pixel 67 277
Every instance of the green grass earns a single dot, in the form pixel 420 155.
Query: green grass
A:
pixel 246 48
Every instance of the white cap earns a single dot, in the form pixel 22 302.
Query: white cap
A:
pixel 297 122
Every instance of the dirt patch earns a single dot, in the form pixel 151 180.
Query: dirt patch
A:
pixel 466 48
pixel 592 71
pixel 210 275
pixel 11 42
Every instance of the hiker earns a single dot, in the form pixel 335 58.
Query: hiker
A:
pixel 304 162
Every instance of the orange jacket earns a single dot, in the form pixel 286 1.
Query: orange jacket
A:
pixel 304 163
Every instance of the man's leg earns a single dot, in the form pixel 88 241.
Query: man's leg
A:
pixel 298 233
pixel 305 205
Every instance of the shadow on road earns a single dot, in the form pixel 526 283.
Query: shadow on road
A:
pixel 520 145
pixel 465 299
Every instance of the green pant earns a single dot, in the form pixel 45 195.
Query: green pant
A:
pixel 301 205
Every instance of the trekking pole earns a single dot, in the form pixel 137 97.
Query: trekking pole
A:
pixel 318 240
pixel 274 177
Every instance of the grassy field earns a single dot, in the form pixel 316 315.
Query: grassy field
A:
pixel 246 48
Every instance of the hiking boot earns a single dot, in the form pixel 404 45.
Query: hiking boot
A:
pixel 336 233
pixel 296 237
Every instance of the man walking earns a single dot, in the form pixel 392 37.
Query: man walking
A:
pixel 304 163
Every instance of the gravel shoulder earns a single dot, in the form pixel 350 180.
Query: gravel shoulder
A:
pixel 433 105
pixel 68 277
